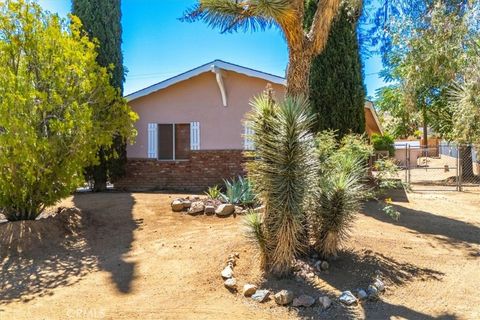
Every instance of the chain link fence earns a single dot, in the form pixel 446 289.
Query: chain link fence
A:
pixel 443 166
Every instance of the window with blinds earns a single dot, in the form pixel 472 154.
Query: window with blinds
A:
pixel 173 141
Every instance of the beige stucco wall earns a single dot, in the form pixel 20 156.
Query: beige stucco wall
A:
pixel 199 99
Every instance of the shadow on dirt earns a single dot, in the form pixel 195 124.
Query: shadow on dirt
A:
pixel 450 231
pixel 351 271
pixel 39 256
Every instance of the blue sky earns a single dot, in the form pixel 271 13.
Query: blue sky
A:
pixel 156 45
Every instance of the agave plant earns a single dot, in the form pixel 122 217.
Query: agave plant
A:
pixel 238 191
pixel 281 175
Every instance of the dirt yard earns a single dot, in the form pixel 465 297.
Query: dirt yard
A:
pixel 129 257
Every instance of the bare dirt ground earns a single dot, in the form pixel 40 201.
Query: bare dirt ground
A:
pixel 128 256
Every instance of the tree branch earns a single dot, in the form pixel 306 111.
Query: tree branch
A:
pixel 322 22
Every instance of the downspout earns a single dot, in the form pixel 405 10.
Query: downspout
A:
pixel 221 84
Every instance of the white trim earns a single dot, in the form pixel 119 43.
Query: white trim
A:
pixel 152 137
pixel 369 105
pixel 202 69
pixel 195 135
pixel 221 85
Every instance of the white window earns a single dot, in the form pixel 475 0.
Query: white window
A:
pixel 173 141
pixel 248 143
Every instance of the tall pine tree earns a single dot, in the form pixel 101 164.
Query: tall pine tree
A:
pixel 102 21
pixel 337 92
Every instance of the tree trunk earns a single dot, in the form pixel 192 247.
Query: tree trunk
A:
pixel 425 130
pixel 467 163
pixel 298 72
pixel 99 173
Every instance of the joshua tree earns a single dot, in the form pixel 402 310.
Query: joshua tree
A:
pixel 281 176
pixel 288 15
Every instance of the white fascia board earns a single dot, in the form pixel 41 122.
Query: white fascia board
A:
pixel 202 69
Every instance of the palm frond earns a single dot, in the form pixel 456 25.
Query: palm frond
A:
pixel 465 105
pixel 235 15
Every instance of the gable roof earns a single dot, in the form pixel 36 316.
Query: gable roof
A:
pixel 369 106
pixel 202 69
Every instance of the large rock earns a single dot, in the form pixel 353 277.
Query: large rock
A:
pixel 261 295
pixel 186 204
pixel 283 297
pixel 347 298
pixel 324 265
pixel 227 273
pixel 303 301
pixel 379 285
pixel 362 294
pixel 238 210
pixel 177 205
pixel 225 209
pixel 209 209
pixel 325 302
pixel 196 208
pixel 372 292
pixel 231 284
pixel 249 290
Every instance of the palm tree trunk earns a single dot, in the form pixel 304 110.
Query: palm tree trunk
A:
pixel 298 72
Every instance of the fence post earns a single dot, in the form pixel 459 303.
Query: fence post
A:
pixel 408 164
pixel 459 168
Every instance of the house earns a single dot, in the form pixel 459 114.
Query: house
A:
pixel 191 129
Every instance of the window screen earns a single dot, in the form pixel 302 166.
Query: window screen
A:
pixel 182 141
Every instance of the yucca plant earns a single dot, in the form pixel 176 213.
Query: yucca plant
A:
pixel 253 223
pixel 339 197
pixel 281 175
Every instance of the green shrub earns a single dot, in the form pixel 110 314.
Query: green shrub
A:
pixel 384 143
pixel 386 175
pixel 353 146
pixel 57 108
pixel 213 192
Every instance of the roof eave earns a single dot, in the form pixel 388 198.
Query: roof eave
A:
pixel 202 69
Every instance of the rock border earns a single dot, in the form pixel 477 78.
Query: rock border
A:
pixel 196 205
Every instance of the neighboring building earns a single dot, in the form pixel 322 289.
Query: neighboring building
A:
pixel 191 127
pixel 372 124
